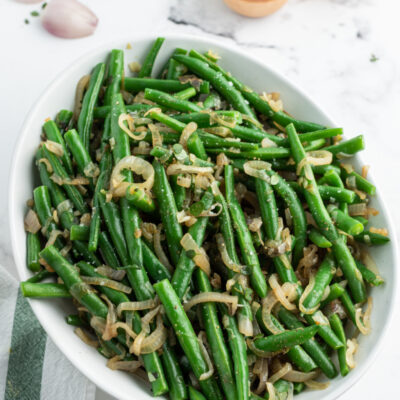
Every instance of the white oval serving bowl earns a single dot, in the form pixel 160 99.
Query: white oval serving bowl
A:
pixel 60 94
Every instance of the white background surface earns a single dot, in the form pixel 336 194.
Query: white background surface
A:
pixel 324 46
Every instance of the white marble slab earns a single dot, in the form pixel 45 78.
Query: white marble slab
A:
pixel 325 46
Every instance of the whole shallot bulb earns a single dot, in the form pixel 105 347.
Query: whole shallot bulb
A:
pixel 69 19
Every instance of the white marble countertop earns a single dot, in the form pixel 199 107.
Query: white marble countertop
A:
pixel 325 46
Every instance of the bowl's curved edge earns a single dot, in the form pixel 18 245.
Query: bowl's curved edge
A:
pixel 352 378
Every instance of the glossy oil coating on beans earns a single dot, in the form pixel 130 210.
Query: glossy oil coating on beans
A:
pixel 205 242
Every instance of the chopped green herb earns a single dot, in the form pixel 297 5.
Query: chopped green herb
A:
pixel 26 21
pixel 44 5
pixel 373 58
pixel 34 13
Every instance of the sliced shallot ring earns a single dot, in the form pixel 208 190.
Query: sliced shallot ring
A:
pixel 137 165
pixel 212 297
pixel 137 305
pixel 129 129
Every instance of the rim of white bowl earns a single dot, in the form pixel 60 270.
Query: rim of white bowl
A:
pixel 358 372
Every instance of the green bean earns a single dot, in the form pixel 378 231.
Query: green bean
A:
pixel 311 346
pixel 79 152
pixel 52 133
pixel 154 267
pixel 296 354
pixel 243 235
pixel 102 111
pixel 363 220
pixel 115 296
pixel 323 277
pixel 178 191
pixel 72 191
pixel 107 251
pixel 270 219
pixel 372 238
pixel 285 340
pixel 73 282
pixel 186 336
pixel 165 85
pixel 269 215
pixel 131 224
pixel 121 149
pixel 105 171
pixel 210 140
pixel 211 101
pixel 79 232
pixel 218 81
pixel 208 119
pixel 257 102
pixel 82 249
pixel 172 102
pixel 195 394
pixel 94 230
pixel 40 276
pixel 368 275
pixel 215 338
pixel 32 251
pixel 148 62
pixel 349 306
pixel 283 189
pixel 43 208
pixel 175 379
pixel 112 219
pixel 321 134
pixel 168 211
pixel 185 94
pixel 332 177
pixel 237 345
pixel 298 387
pixel 319 239
pixel 152 362
pixel 360 182
pixel 64 120
pixel 65 215
pixel 74 320
pixel 195 146
pixel 322 169
pixel 344 222
pixel 263 153
pixel 255 135
pixel 322 218
pixel 115 72
pixel 330 194
pixel 349 147
pixel 245 315
pixel 336 193
pixel 121 146
pixel 325 331
pixel 85 120
pixel 29 289
pixel 174 69
pixel 335 291
pixel 185 266
pixel 337 326
pixel 282 388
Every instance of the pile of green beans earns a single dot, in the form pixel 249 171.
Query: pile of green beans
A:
pixel 235 248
